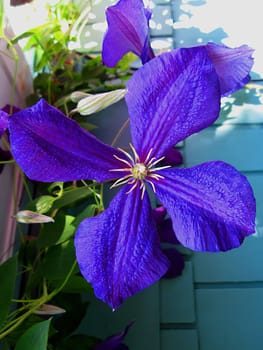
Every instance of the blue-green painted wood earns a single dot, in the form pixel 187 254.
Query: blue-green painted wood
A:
pixel 243 107
pixel 179 339
pixel 232 23
pixel 177 298
pixel 101 322
pixel 242 264
pixel 161 21
pixel 234 144
pixel 230 319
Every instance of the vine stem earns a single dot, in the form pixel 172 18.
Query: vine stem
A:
pixel 39 302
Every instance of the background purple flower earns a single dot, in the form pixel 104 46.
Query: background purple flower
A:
pixel 128 30
pixel 124 35
pixel 115 342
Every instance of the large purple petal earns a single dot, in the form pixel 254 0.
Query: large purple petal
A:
pixel 128 31
pixel 49 147
pixel 232 66
pixel 3 122
pixel 211 205
pixel 171 97
pixel 119 250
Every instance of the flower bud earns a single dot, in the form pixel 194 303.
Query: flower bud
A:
pixel 95 103
pixel 30 217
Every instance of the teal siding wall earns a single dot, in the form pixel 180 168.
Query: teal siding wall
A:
pixel 218 301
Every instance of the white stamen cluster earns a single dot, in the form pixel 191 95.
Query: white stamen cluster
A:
pixel 138 171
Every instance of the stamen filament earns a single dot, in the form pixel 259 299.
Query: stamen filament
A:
pixel 122 160
pixel 136 156
pixel 121 169
pixel 153 186
pixel 161 168
pixel 156 162
pixel 127 155
pixel 121 181
pixel 143 191
pixel 156 176
pixel 132 188
pixel 148 156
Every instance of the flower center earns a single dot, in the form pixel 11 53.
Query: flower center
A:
pixel 138 172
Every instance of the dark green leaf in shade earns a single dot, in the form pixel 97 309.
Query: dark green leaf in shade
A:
pixel 77 284
pixel 58 232
pixel 8 272
pixel 17 333
pixel 58 261
pixel 76 310
pixel 86 213
pixel 84 342
pixel 71 196
pixel 35 338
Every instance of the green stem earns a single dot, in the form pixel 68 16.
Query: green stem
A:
pixel 36 305
pixel 7 161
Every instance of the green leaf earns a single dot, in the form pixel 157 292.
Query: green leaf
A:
pixel 7 277
pixel 57 232
pixel 58 261
pixel 35 338
pixel 85 342
pixel 71 196
pixel 86 213
pixel 77 284
pixel 41 204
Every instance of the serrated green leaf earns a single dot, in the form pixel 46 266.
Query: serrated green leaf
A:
pixel 35 338
pixel 7 277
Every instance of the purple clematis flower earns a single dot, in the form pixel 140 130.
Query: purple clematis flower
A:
pixel 124 34
pixel 128 31
pixel 211 205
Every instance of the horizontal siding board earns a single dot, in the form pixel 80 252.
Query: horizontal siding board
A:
pixel 143 308
pixel 238 265
pixel 230 319
pixel 242 264
pixel 178 339
pixel 237 145
pixel 192 26
pixel 177 298
pixel 161 23
pixel 243 107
